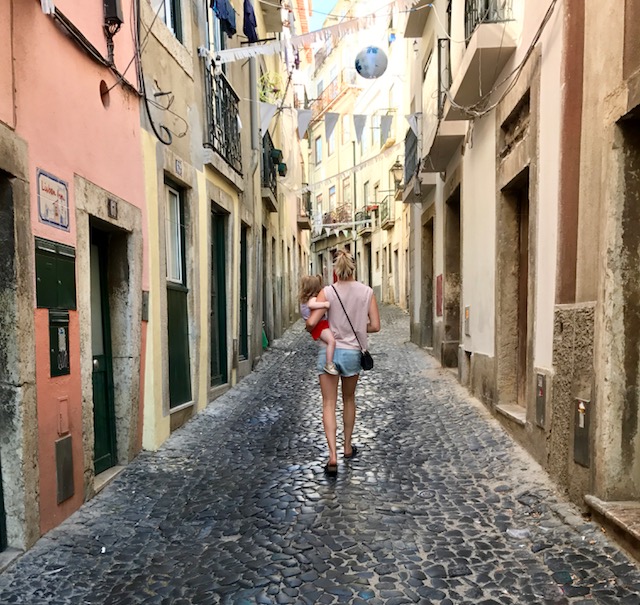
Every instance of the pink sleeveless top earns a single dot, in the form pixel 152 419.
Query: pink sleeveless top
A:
pixel 356 298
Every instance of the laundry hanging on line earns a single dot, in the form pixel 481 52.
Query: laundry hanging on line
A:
pixel 224 11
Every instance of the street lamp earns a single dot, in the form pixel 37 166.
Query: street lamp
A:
pixel 397 170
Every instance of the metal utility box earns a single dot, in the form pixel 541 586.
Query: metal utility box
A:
pixel 64 468
pixel 59 342
pixel 541 399
pixel 581 429
pixel 55 275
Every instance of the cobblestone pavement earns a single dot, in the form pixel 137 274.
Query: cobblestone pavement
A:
pixel 439 507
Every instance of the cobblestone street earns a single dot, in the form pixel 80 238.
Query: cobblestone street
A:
pixel 439 506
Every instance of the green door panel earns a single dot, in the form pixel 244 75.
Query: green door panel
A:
pixel 179 365
pixel 218 319
pixel 104 417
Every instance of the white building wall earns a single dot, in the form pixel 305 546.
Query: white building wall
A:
pixel 478 209
pixel 549 183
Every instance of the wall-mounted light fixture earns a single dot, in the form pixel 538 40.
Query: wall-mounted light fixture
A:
pixel 397 170
pixel 113 21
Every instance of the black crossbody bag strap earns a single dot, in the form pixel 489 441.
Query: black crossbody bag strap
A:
pixel 347 316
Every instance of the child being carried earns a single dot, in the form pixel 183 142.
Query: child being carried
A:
pixel 310 287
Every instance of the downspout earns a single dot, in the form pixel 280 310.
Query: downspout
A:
pixel 255 124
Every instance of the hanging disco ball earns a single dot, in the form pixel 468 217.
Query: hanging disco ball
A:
pixel 371 62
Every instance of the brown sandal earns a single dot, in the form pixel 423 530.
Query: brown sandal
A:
pixel 331 470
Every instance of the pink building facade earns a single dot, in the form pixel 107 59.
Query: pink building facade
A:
pixel 73 281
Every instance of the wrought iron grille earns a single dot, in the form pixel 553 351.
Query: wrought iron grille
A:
pixel 410 156
pixel 385 210
pixel 223 127
pixel 486 11
pixel 269 168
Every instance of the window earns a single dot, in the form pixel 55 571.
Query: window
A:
pixel 319 203
pixel 331 142
pixel 332 198
pixel 169 11
pixel 319 89
pixel 346 129
pixel 318 150
pixel 376 129
pixel 365 191
pixel 377 259
pixel 346 192
pixel 174 232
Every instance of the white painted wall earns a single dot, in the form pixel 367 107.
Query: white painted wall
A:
pixel 548 182
pixel 478 219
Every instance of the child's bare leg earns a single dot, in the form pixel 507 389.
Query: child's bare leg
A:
pixel 326 336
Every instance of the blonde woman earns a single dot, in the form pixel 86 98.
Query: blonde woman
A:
pixel 349 300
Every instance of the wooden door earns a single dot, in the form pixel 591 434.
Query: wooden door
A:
pixel 177 301
pixel 523 297
pixel 218 318
pixel 104 417
pixel 244 300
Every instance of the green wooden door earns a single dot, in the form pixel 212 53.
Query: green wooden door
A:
pixel 244 302
pixel 218 319
pixel 177 302
pixel 3 519
pixel 104 418
pixel 179 366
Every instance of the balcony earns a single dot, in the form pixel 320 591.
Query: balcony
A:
pixel 363 221
pixel 268 180
pixel 440 139
pixel 387 219
pixel 272 16
pixel 491 44
pixel 417 19
pixel 417 184
pixel 304 211
pixel 223 130
pixel 335 90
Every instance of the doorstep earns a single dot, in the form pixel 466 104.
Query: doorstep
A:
pixel 622 516
pixel 8 556
pixel 103 479
pixel 513 412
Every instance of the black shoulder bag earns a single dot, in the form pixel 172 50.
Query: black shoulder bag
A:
pixel 366 361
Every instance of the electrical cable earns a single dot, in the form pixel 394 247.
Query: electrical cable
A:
pixel 137 53
pixel 479 108
pixel 143 90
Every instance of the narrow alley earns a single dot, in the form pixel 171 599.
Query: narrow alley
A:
pixel 440 506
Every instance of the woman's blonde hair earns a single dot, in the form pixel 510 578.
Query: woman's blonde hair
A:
pixel 343 265
pixel 310 286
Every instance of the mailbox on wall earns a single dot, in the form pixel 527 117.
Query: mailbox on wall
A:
pixel 55 275
pixel 59 342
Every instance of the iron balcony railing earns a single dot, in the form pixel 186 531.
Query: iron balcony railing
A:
pixel 385 210
pixel 269 167
pixel 410 156
pixel 361 217
pixel 485 11
pixel 339 85
pixel 223 126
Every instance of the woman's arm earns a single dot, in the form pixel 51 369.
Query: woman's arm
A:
pixel 374 316
pixel 316 314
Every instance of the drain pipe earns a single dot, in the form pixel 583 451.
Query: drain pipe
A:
pixel 255 125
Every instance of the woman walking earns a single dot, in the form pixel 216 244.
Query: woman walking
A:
pixel 350 300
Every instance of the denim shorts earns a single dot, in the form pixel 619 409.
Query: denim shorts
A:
pixel 347 361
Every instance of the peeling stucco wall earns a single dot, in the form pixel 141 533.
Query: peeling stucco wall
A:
pixel 573 346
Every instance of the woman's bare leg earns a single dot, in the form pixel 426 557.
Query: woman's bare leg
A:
pixel 349 384
pixel 329 389
pixel 327 337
